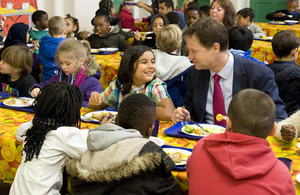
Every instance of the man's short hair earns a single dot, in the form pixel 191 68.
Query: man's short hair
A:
pixel 209 31
pixel 137 111
pixel 169 38
pixel 173 18
pixel 56 25
pixel 37 16
pixel 247 12
pixel 284 42
pixel 168 3
pixel 252 112
pixel 240 38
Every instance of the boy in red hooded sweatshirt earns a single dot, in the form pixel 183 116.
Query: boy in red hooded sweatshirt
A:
pixel 240 161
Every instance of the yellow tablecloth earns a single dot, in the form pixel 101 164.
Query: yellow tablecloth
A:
pixel 109 66
pixel 262 50
pixel 271 29
pixel 10 157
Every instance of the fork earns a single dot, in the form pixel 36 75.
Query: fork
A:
pixel 202 129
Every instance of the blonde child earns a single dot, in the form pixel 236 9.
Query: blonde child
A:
pixel 72 26
pixel 15 68
pixel 136 75
pixel 158 22
pixel 49 140
pixel 77 67
pixel 48 46
pixel 125 14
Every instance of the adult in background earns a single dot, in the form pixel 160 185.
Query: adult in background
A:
pixel 218 75
pixel 223 11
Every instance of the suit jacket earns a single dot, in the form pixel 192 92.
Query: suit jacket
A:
pixel 247 74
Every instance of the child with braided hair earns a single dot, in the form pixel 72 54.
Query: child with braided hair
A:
pixel 77 67
pixel 50 139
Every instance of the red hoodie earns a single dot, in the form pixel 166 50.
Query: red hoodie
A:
pixel 127 20
pixel 233 163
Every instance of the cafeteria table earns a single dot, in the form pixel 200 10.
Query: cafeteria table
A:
pixel 272 29
pixel 11 149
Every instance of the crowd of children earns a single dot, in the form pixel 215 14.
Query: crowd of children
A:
pixel 176 63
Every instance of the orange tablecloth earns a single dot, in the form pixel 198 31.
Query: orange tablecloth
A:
pixel 109 66
pixel 262 50
pixel 271 29
pixel 11 149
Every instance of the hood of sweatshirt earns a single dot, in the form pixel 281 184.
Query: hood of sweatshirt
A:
pixel 241 156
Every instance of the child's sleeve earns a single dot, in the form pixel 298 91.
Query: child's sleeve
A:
pixel 95 85
pixel 22 129
pixel 108 95
pixel 159 92
pixel 123 45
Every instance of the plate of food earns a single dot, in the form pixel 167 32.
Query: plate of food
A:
pixel 97 116
pixel 195 130
pixel 157 141
pixel 95 50
pixel 298 177
pixel 291 22
pixel 179 156
pixel 278 22
pixel 19 102
pixel 109 49
pixel 264 38
pixel 126 29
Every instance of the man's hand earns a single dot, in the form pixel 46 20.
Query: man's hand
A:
pixel 288 132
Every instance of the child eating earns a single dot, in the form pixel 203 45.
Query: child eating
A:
pixel 102 37
pixel 76 67
pixel 15 68
pixel 49 140
pixel 130 163
pixel 136 75
pixel 241 161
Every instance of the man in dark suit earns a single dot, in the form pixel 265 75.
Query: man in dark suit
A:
pixel 207 42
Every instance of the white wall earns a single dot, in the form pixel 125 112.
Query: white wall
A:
pixel 84 10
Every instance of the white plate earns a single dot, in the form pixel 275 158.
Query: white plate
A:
pixel 126 29
pixel 291 21
pixel 213 129
pixel 89 116
pixel 109 49
pixel 157 141
pixel 186 153
pixel 19 102
pixel 298 177
pixel 95 50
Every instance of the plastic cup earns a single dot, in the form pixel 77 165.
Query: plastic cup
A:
pixel 155 129
pixel 286 161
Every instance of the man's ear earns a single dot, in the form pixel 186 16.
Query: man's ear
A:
pixel 216 47
pixel 170 9
pixel 273 129
pixel 229 125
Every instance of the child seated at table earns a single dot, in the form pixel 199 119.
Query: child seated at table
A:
pixel 48 46
pixel 287 14
pixel 285 45
pixel 130 163
pixel 245 18
pixel 240 161
pixel 15 68
pixel 171 67
pixel 72 27
pixel 102 37
pixel 77 67
pixel 173 18
pixel 49 140
pixel 40 20
pixel 158 22
pixel 136 75
pixel 240 41
pixel 125 14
